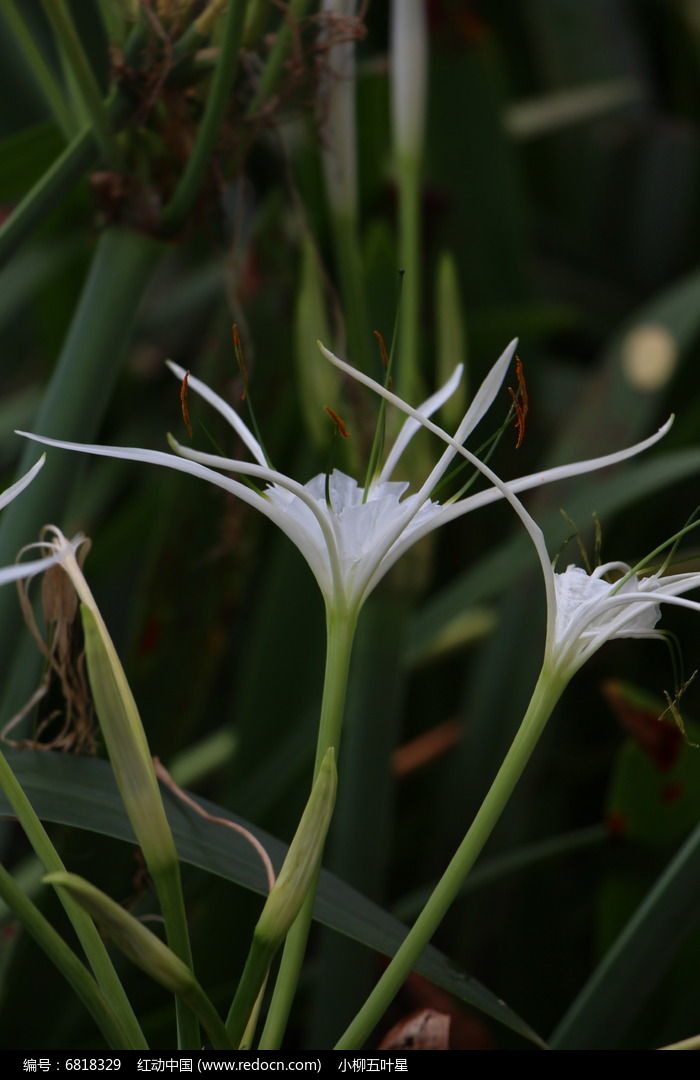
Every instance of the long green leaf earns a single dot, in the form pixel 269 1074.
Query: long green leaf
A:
pixel 630 970
pixel 92 997
pixel 81 792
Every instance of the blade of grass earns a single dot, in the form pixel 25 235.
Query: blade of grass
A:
pixel 43 75
pixel 94 1000
pixel 61 20
pixel 74 403
pixel 88 936
pixel 630 970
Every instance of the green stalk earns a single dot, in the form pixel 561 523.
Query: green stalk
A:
pixel 545 696
pixel 89 938
pixel 114 20
pixel 273 68
pixel 290 892
pixel 340 631
pixel 61 20
pixel 47 192
pixel 352 287
pixel 43 75
pixel 74 404
pixel 176 211
pixel 408 378
pixel 270 74
pixel 511 862
pixel 254 977
pixel 95 1001
pixel 344 972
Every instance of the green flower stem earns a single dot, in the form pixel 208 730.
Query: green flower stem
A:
pixel 352 287
pixel 287 896
pixel 343 973
pixel 254 977
pixel 87 933
pixel 95 1000
pixel 546 693
pixel 72 408
pixel 61 20
pixel 340 629
pixel 43 75
pixel 511 862
pixel 168 882
pixel 408 379
pixel 273 68
pixel 176 211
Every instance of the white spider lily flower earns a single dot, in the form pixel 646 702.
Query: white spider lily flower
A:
pixel 351 538
pixel 347 536
pixel 28 569
pixel 583 609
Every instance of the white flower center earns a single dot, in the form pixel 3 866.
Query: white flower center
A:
pixel 365 530
pixel 582 608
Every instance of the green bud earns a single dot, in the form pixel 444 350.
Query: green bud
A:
pixel 145 950
pixel 126 744
pixel 303 858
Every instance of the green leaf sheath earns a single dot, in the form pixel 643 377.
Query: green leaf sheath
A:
pixel 87 933
pixel 68 963
pixel 131 760
pixel 75 400
pixel 147 951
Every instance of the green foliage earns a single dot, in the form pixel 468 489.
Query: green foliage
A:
pixel 560 172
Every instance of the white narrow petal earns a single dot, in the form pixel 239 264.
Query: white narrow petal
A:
pixel 672 584
pixel 271 476
pixel 483 399
pixel 227 411
pixel 576 468
pixel 659 597
pixel 193 468
pixel 605 568
pixel 27 569
pixel 323 561
pixel 24 481
pixel 56 554
pixel 546 476
pixel 485 396
pixel 410 426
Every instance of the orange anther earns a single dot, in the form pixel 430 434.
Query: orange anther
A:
pixel 382 348
pixel 339 422
pixel 183 403
pixel 520 401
